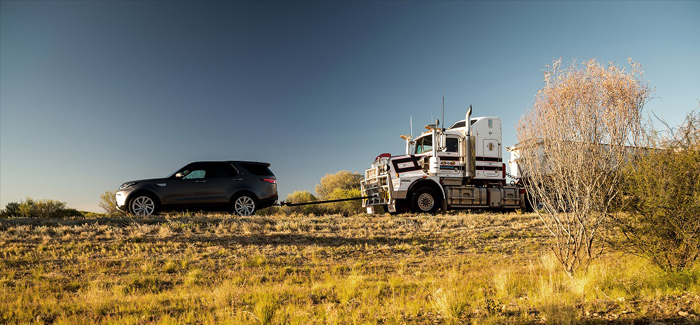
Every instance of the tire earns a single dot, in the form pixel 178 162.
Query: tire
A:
pixel 425 200
pixel 401 207
pixel 244 205
pixel 528 203
pixel 143 205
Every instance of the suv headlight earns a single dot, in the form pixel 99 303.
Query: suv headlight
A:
pixel 125 185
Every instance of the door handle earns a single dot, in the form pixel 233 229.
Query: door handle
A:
pixel 202 181
pixel 237 179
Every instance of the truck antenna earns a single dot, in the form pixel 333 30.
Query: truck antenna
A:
pixel 443 109
pixel 411 122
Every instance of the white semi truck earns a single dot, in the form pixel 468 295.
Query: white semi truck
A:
pixel 460 167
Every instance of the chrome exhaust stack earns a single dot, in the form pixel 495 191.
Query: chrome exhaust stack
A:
pixel 469 147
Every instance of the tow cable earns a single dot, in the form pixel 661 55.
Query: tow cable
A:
pixel 283 203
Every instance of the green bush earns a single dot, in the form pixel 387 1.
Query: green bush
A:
pixel 345 208
pixel 11 210
pixel 341 180
pixel 70 212
pixel 30 208
pixel 663 199
pixel 302 197
pixel 341 185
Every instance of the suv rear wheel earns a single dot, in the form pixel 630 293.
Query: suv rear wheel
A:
pixel 244 205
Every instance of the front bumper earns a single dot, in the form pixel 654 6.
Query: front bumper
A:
pixel 376 184
pixel 121 198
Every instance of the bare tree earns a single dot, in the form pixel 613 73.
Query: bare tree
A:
pixel 573 143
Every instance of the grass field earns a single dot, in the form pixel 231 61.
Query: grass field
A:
pixel 218 269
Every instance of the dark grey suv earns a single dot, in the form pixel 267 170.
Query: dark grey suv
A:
pixel 238 186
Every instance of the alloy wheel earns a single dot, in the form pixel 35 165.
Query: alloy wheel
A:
pixel 244 206
pixel 143 206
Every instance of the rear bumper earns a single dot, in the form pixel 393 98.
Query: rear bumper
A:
pixel 268 202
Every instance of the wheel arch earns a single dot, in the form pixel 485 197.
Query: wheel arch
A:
pixel 427 183
pixel 243 192
pixel 136 193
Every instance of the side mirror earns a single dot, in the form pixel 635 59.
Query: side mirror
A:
pixel 179 175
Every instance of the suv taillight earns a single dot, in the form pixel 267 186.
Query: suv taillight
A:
pixel 270 180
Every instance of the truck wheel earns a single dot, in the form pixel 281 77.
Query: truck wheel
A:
pixel 401 206
pixel 424 200
pixel 528 203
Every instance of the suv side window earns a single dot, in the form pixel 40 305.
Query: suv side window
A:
pixel 224 170
pixel 195 171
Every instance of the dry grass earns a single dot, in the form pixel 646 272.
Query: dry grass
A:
pixel 219 269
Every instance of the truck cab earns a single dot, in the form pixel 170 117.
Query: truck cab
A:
pixel 457 167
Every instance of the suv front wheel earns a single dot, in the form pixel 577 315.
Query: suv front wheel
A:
pixel 143 205
pixel 244 205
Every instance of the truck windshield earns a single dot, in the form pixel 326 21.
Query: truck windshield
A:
pixel 424 144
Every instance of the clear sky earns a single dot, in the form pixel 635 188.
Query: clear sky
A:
pixel 96 93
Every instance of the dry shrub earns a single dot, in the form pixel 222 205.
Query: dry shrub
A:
pixel 574 141
pixel 108 202
pixel 451 304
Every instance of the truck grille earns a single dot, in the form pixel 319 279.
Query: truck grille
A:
pixel 375 184
pixel 371 173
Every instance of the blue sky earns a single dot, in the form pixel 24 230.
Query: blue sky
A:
pixel 95 93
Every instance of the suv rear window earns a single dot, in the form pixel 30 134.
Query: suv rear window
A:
pixel 258 169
